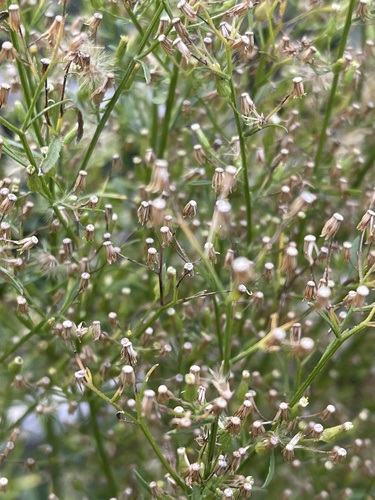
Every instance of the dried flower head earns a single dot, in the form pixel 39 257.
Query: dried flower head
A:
pixel 332 225
pixel 242 269
pixel 187 10
pixel 148 402
pixel 7 53
pixel 190 209
pixel 298 89
pixel 4 94
pixel 127 351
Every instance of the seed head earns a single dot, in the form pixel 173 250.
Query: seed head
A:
pixel 218 406
pixel 163 25
pixel 283 412
pixel 4 94
pixel 190 209
pixel 229 184
pixel 182 48
pixel 94 24
pixel 84 282
pixel 27 243
pixel 226 30
pixel 152 258
pixel 234 462
pixel 300 204
pixel 316 432
pixel 332 225
pixel 187 10
pixel 218 179
pixel 327 412
pixel 240 9
pixel 166 43
pixel 89 233
pixel 22 305
pixel 322 298
pixel 127 351
pixel 363 10
pixel 14 17
pixel 181 30
pixel 148 402
pixel 268 271
pixel 157 212
pixel 290 261
pixel 166 236
pixel 242 269
pixel 298 90
pixel 233 425
pixel 8 204
pixel 127 376
pixel 359 299
pixel 110 252
pixel 245 409
pixel 366 221
pixel 7 53
pixel 51 34
pixel 257 428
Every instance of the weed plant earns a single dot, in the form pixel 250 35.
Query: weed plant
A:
pixel 186 249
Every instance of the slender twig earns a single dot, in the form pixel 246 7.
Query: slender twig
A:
pixel 334 85
pixel 120 89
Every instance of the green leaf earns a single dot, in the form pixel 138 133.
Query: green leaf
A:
pixel 148 375
pixel 196 495
pixel 160 98
pixel 146 71
pixel 97 4
pixel 142 482
pixel 52 156
pixel 271 471
pixel 7 277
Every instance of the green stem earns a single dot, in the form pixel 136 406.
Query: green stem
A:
pixel 55 467
pixel 161 457
pixel 366 167
pixel 28 87
pixel 329 352
pixel 228 336
pixel 120 89
pixel 22 138
pixel 169 109
pixel 211 446
pixel 25 338
pixel 112 488
pixel 218 327
pixel 245 173
pixel 332 95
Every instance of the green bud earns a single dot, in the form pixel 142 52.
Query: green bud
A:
pixel 339 66
pixel 19 111
pixel 71 135
pixel 243 388
pixel 15 365
pixel 190 393
pixel 183 461
pixel 201 136
pixel 332 433
pixel 121 48
pixel 223 88
pixel 261 448
pixel 33 180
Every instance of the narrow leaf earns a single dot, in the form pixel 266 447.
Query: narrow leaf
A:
pixel 142 482
pixel 271 471
pixel 146 71
pixel 53 155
